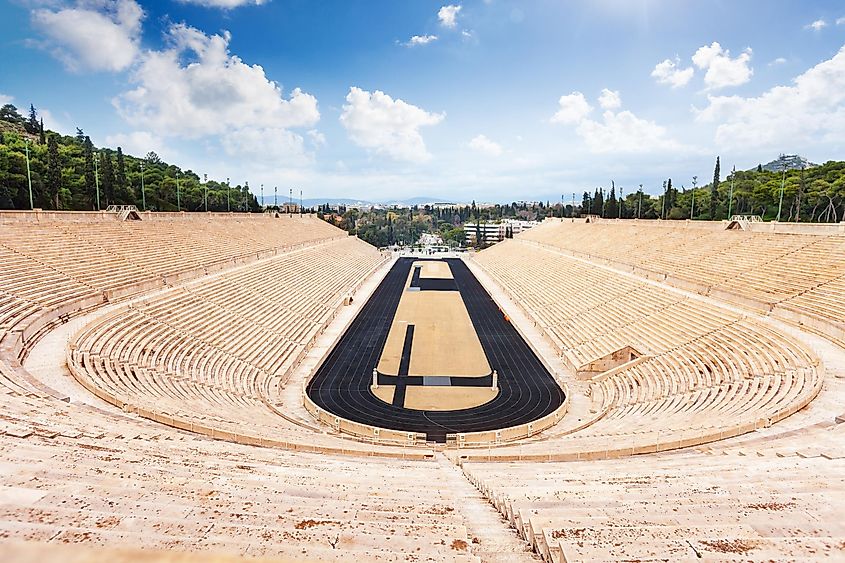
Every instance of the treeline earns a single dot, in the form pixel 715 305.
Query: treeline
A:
pixel 70 173
pixel 381 227
pixel 385 227
pixel 815 194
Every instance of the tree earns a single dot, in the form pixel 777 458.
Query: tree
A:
pixel 612 207
pixel 121 187
pixel 31 125
pixel 90 181
pixel 41 131
pixel 107 175
pixel 10 114
pixel 585 203
pixel 598 202
pixel 54 171
pixel 80 136
pixel 714 191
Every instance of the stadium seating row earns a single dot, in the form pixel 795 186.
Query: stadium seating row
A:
pixel 206 356
pixel 706 372
pixel 72 474
pixel 677 506
pixel 800 272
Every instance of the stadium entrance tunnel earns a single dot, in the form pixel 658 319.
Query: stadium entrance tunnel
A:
pixel 431 353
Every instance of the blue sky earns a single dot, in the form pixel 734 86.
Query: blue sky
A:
pixel 492 100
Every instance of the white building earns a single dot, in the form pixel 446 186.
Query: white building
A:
pixel 492 233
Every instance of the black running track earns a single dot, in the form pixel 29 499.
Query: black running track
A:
pixel 342 383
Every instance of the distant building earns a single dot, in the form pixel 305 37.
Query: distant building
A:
pixel 430 239
pixel 788 162
pixel 492 233
pixel 289 207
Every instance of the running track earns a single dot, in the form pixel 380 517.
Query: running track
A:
pixel 342 383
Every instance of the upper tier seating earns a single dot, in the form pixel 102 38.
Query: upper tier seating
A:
pixel 707 372
pixel 58 267
pixel 799 272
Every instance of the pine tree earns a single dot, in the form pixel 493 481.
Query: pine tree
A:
pixel 612 208
pixel 598 202
pixel 41 131
pixel 714 191
pixel 31 126
pixel 80 136
pixel 121 187
pixel 54 171
pixel 585 203
pixel 759 168
pixel 90 182
pixel 107 177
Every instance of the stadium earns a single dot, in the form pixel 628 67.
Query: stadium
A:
pixel 478 281
pixel 269 386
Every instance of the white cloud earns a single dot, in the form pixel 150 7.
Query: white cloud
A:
pixel 484 145
pixel 609 99
pixel 448 15
pixel 840 21
pixel 619 132
pixel 624 132
pixel 317 138
pixel 722 70
pixel 51 123
pixel 810 111
pixel 778 61
pixel 224 4
pixel 98 36
pixel 270 145
pixel 137 143
pixel 670 72
pixel 392 127
pixel 817 25
pixel 420 40
pixel 573 108
pixel 4 99
pixel 213 93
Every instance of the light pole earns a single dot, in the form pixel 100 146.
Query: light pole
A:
pixel 178 198
pixel 731 194
pixel 640 206
pixel 300 202
pixel 244 197
pixel 621 199
pixel 97 179
pixel 276 197
pixel 692 207
pixel 143 191
pixel 205 183
pixel 29 176
pixel 262 196
pixel 228 196
pixel 782 185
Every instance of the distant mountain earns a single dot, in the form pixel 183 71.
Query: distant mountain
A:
pixel 791 161
pixel 414 201
pixel 314 201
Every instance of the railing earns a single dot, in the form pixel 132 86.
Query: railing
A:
pixel 121 208
pixel 747 218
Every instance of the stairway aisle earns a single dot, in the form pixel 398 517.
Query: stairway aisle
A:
pixel 489 536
